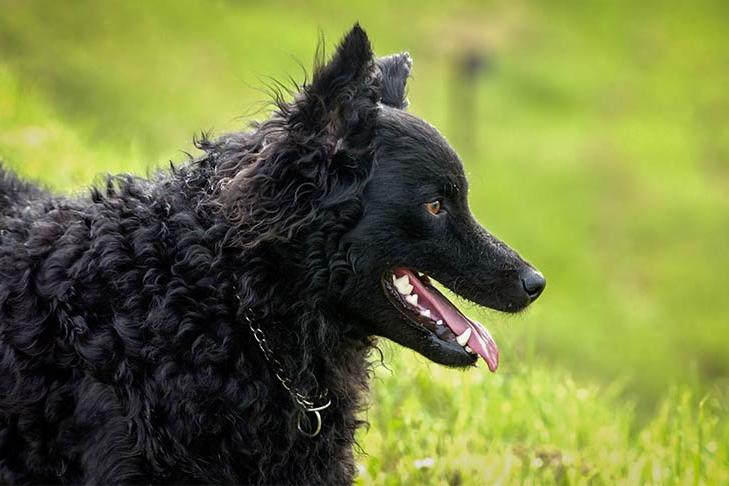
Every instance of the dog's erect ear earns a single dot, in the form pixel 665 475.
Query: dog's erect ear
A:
pixel 314 156
pixel 393 75
pixel 340 103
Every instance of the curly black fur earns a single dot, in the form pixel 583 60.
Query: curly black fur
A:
pixel 124 356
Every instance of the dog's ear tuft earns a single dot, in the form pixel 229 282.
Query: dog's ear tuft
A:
pixel 316 152
pixel 352 61
pixel 393 75
pixel 338 108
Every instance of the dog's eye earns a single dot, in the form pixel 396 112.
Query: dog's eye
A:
pixel 433 207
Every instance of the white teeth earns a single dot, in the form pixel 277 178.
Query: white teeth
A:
pixel 412 299
pixel 439 322
pixel 402 284
pixel 425 313
pixel 469 350
pixel 463 338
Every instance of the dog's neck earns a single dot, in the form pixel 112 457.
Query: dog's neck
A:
pixel 318 348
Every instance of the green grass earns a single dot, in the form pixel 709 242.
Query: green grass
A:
pixel 534 425
pixel 598 147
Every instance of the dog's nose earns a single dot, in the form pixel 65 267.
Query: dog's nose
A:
pixel 533 282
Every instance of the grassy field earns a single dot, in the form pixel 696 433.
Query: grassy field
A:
pixel 596 139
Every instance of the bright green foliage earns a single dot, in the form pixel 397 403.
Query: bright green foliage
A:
pixel 596 142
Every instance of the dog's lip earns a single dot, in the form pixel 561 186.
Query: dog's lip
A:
pixel 453 323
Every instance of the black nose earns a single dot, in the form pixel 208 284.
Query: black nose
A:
pixel 533 282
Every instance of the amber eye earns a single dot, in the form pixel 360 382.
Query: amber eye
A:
pixel 433 207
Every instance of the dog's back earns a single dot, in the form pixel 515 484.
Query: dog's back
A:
pixel 16 195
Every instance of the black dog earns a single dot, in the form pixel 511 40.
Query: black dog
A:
pixel 213 324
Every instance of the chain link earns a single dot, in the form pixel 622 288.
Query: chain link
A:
pixel 305 403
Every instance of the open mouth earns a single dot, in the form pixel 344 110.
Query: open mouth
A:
pixel 415 297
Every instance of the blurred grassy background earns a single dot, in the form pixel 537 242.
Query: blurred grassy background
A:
pixel 596 138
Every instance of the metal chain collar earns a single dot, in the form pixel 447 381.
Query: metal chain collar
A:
pixel 309 422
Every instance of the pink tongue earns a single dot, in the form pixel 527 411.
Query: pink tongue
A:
pixel 480 341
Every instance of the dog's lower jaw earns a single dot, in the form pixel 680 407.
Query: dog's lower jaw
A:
pixel 431 325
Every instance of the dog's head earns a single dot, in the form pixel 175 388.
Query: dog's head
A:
pixel 372 203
